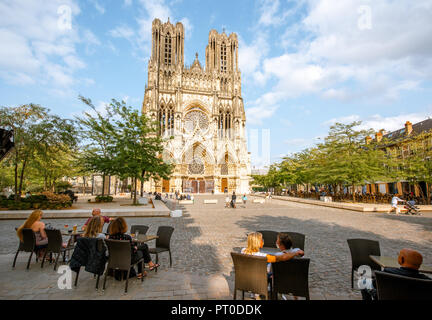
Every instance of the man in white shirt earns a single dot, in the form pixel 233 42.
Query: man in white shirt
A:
pixel 394 203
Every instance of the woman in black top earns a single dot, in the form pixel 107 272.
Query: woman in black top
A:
pixel 118 231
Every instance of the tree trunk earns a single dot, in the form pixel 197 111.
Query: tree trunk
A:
pixel 16 178
pixel 353 192
pixel 135 191
pixel 428 187
pixel 103 185
pixel 142 183
pixel 92 191
pixel 421 192
pixel 22 177
pixel 84 185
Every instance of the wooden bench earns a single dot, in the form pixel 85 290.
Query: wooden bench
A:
pixel 210 201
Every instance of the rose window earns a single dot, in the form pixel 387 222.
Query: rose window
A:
pixel 196 167
pixel 196 120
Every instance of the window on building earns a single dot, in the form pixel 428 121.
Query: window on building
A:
pixel 223 58
pixel 168 49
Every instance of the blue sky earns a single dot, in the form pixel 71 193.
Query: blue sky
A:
pixel 305 64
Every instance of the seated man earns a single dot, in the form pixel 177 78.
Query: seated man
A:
pixel 96 212
pixel 410 262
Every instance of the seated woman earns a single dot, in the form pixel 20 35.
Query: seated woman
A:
pixel 118 231
pixel 94 228
pixel 33 222
pixel 256 242
pixel 284 243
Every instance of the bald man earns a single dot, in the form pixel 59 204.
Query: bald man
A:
pixel 96 212
pixel 409 261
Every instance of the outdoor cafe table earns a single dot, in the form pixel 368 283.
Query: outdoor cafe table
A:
pixel 391 262
pixel 144 238
pixel 269 250
pixel 72 234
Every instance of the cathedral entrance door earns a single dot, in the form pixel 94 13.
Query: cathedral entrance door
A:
pixel 165 185
pixel 194 186
pixel 224 184
pixel 202 186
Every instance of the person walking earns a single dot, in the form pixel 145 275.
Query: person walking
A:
pixel 227 201
pixel 394 203
pixel 233 200
pixel 244 200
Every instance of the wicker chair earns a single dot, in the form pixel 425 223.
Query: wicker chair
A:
pixel 120 259
pixel 396 287
pixel 250 274
pixel 55 245
pixel 360 251
pixel 163 242
pixel 140 228
pixel 28 245
pixel 298 239
pixel 291 277
pixel 269 238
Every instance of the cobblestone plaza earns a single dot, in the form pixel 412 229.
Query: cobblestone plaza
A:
pixel 205 236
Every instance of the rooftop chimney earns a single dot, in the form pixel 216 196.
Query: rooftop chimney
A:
pixel 408 128
pixel 378 136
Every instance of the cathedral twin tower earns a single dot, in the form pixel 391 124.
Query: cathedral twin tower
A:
pixel 202 109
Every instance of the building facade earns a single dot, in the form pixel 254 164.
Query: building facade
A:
pixel 401 144
pixel 202 109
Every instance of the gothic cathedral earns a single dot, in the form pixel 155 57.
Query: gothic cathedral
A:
pixel 202 109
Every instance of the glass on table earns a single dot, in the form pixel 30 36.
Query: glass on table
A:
pixel 75 228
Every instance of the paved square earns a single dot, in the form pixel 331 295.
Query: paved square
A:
pixel 205 236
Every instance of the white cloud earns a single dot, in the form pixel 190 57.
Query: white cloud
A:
pixel 328 55
pixel 256 115
pixel 98 6
pixel 36 48
pixel 122 32
pixel 378 122
pixel 251 56
pixel 147 12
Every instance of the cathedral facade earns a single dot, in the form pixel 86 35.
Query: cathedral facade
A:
pixel 202 109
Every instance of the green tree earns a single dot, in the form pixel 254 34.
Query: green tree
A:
pixel 35 131
pixel 138 149
pixel 349 158
pixel 416 166
pixel 98 141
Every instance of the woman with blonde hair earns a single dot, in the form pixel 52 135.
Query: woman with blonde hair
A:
pixel 33 222
pixel 94 228
pixel 254 244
